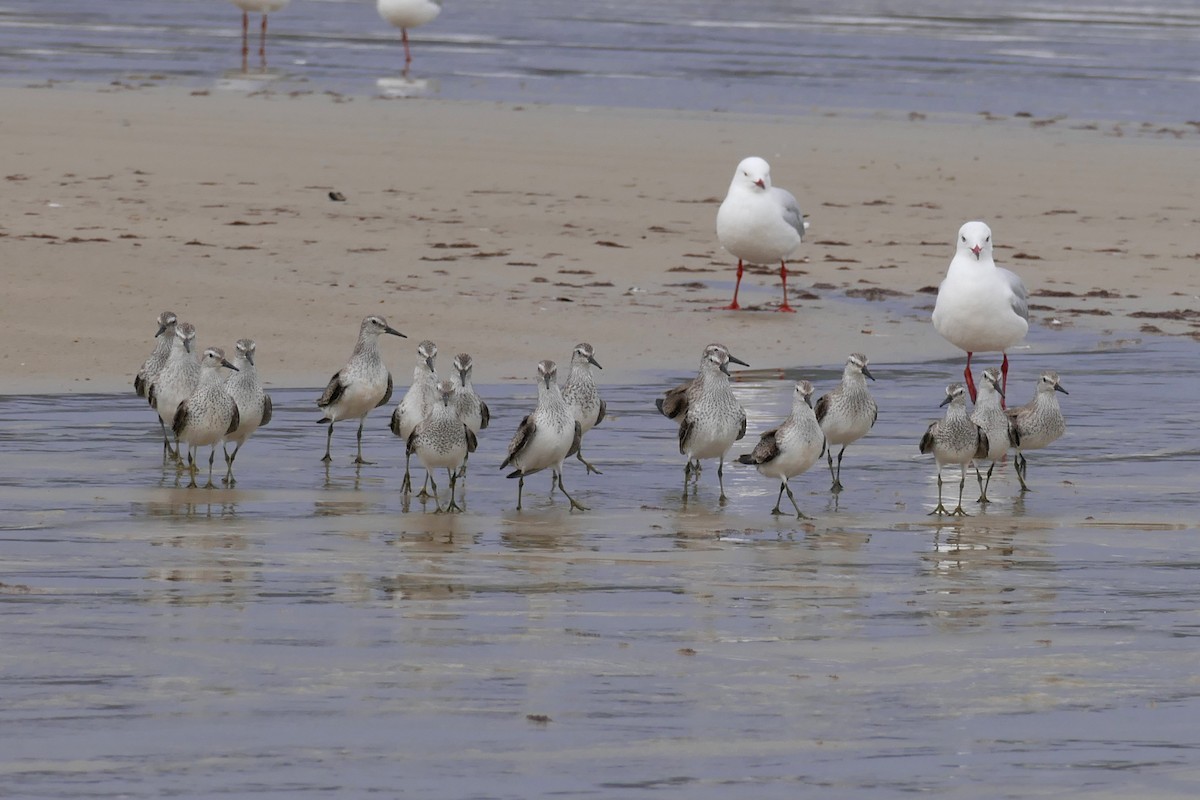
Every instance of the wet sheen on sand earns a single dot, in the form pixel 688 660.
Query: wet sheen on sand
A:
pixel 302 633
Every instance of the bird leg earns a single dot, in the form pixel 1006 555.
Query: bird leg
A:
pixel 520 488
pixel 229 479
pixel 775 511
pixel 1020 464
pixel 358 459
pixel 970 380
pixel 453 506
pixel 984 483
pixel 424 493
pixel 799 514
pixel 212 453
pixel 406 484
pixel 734 305
pixel 574 505
pixel 721 480
pixel 962 480
pixel 245 40
pixel 191 467
pixel 437 504
pixel 939 509
pixel 328 439
pixel 262 43
pixel 407 55
pixel 783 275
pixel 1003 380
pixel 586 463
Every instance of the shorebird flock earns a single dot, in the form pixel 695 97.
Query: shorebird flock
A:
pixel 980 308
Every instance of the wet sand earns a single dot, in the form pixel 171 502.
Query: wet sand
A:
pixel 514 232
pixel 308 630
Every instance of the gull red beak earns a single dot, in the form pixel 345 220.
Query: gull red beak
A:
pixel 760 184
pixel 977 250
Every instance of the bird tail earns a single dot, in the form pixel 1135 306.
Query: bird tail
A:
pixel 746 458
pixel 516 473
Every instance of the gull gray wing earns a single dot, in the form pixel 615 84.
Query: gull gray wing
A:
pixel 1020 298
pixel 790 209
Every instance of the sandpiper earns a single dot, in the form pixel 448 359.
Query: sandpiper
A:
pixel 954 439
pixel 472 410
pixel 254 405
pixel 847 413
pixel 1039 422
pixel 208 415
pixel 980 307
pixel 709 415
pixel 790 449
pixel 177 380
pixel 442 439
pixel 545 437
pixel 581 394
pixel 990 417
pixel 417 403
pixel 363 384
pixel 154 364
pixel 759 223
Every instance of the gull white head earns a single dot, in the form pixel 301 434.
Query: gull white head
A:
pixel 753 173
pixel 975 239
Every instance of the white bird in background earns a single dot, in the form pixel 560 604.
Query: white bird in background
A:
pixel 980 308
pixel 263 7
pixel 405 14
pixel 759 223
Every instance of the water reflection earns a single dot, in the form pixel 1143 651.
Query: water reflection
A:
pixel 645 644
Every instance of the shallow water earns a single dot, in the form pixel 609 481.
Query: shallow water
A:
pixel 1081 58
pixel 304 632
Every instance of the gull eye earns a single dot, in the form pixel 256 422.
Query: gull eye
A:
pixel 964 238
pixel 988 239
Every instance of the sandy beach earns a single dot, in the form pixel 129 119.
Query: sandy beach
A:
pixel 515 231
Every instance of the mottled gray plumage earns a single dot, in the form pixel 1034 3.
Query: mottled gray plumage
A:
pixel 209 415
pixel 442 439
pixel 178 379
pixel 790 449
pixel 254 404
pixel 417 403
pixel 164 338
pixel 989 415
pixel 847 412
pixel 545 437
pixel 709 415
pixel 954 439
pixel 472 410
pixel 582 396
pixel 1039 422
pixel 363 384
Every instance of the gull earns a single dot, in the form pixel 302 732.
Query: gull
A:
pixel 709 415
pixel 405 14
pixel 416 404
pixel 545 437
pixel 581 394
pixel 980 307
pixel 1039 422
pixel 759 223
pixel 208 415
pixel 363 384
pixel 254 405
pixel 847 413
pixel 442 439
pixel 991 419
pixel 790 449
pixel 263 7
pixel 954 439
pixel 178 378
pixel 154 364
